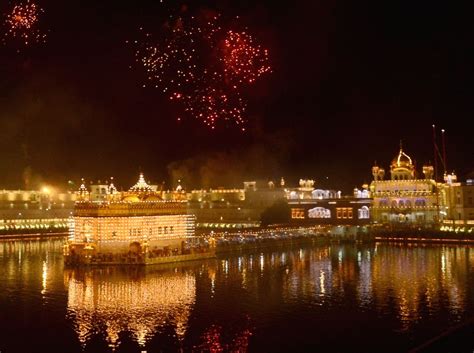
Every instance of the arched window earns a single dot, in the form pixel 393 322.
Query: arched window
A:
pixel 363 212
pixel 319 212
pixel 401 203
pixel 420 202
pixel 317 194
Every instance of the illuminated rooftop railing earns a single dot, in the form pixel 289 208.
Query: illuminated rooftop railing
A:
pixel 110 209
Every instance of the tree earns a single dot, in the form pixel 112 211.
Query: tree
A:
pixel 278 212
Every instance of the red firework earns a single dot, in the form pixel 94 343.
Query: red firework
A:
pixel 244 61
pixel 203 67
pixel 212 105
pixel 22 23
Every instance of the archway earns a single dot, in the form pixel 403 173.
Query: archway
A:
pixel 135 247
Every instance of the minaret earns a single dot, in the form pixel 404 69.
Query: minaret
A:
pixel 282 182
pixel 377 172
pixel 112 189
pixel 428 171
pixel 83 192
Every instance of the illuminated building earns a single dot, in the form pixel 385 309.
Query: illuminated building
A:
pixel 233 208
pixel 132 227
pixel 462 201
pixel 460 197
pixel 406 199
pixel 317 206
pixel 35 211
pixel 306 191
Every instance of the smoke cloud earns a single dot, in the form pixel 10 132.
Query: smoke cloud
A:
pixel 263 160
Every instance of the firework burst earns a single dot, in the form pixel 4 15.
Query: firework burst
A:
pixel 203 67
pixel 244 61
pixel 22 23
pixel 212 105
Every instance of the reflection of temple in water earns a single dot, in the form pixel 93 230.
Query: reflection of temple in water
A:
pixel 421 280
pixel 411 282
pixel 135 300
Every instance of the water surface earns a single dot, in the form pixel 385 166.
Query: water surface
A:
pixel 325 298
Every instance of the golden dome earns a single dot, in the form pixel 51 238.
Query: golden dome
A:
pixel 131 198
pixel 152 198
pixel 402 160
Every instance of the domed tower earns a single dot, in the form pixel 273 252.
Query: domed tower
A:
pixel 377 172
pixel 141 186
pixel 450 178
pixel 83 192
pixel 402 167
pixel 112 189
pixel 428 171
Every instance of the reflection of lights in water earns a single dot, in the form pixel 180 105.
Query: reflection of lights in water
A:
pixel 457 300
pixel 244 278
pixel 120 302
pixel 212 339
pixel 365 278
pixel 322 280
pixel 239 263
pixel 359 257
pixel 212 277
pixel 405 311
pixel 419 279
pixel 262 262
pixel 44 276
pixel 225 265
pixel 443 263
pixel 339 256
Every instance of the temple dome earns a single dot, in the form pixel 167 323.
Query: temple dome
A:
pixel 131 198
pixel 402 160
pixel 152 198
pixel 141 185
pixel 402 167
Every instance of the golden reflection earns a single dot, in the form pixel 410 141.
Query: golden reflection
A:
pixel 32 264
pixel 419 277
pixel 137 300
pixel 412 281
pixel 44 276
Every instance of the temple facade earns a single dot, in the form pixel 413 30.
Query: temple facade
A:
pixel 136 226
pixel 405 198
pixel 310 206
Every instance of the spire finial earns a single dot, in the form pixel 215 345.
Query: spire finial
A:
pixel 401 145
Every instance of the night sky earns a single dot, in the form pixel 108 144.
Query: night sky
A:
pixel 350 79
